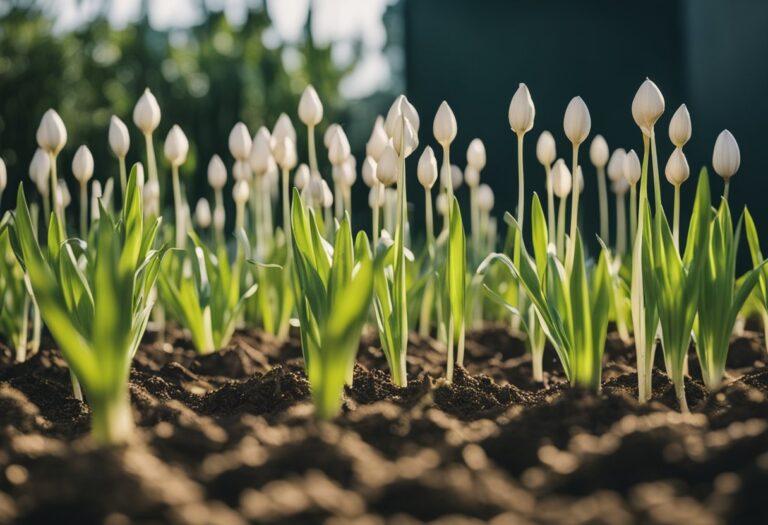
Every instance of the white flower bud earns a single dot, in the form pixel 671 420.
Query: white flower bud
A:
pixel 338 148
pixel 680 127
pixel 677 170
pixel 378 141
pixel 119 138
pixel 240 141
pixel 146 113
pixel 285 153
pixel 316 190
pixel 598 152
pixel 241 171
pixel 63 197
pixel 401 106
pixel 369 172
pixel 241 192
pixel 426 170
pixel 82 165
pixel 580 178
pixel 476 154
pixel 616 164
pixel 409 141
pixel 51 133
pixel 485 198
pixel 620 186
pixel 203 213
pixel 632 168
pixel 139 174
pixel 217 173
pixel 3 176
pixel 151 197
pixel 40 169
pixel 261 152
pixel 726 157
pixel 561 179
pixel 386 169
pixel 577 122
pixel 647 106
pixel 546 152
pixel 521 111
pixel 471 176
pixel 349 172
pixel 219 218
pixel 96 193
pixel 454 176
pixel 301 177
pixel 441 204
pixel 176 146
pixel 444 126
pixel 283 129
pixel 376 195
pixel 327 195
pixel 310 107
pixel 328 135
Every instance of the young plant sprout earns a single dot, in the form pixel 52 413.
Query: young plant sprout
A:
pixel 726 158
pixel 146 117
pixel 82 169
pixel 120 143
pixel 577 123
pixel 335 287
pixel 598 155
pixel 546 153
pixel 721 296
pixel 96 314
pixel 176 149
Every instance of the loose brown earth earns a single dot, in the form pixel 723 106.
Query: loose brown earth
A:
pixel 230 438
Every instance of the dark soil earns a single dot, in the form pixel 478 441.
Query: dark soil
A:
pixel 230 438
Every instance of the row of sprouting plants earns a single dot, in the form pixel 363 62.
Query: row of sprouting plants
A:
pixel 293 254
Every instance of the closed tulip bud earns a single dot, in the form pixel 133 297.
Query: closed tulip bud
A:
pixel 444 126
pixel 348 172
pixel 285 153
pixel 620 186
pixel 441 204
pixel 283 129
pixel 3 176
pixel 327 195
pixel 580 179
pixel 598 152
pixel 301 177
pixel 51 133
pixel 139 174
pixel 647 106
pixel 561 179
pixel 577 123
pixel 521 111
pixel 240 142
pixel 82 165
pixel 310 107
pixel 241 192
pixel 40 169
pixel 176 146
pixel 471 177
pixel 632 168
pixel 146 113
pixel 406 136
pixel 680 127
pixel 316 189
pixel 616 164
pixel 376 195
pixel 96 193
pixel 241 171
pixel 546 152
pixel 151 198
pixel 677 170
pixel 726 157
pixel 399 108
pixel 119 138
pixel 386 169
pixel 378 140
pixel 63 197
pixel 476 154
pixel 217 173
pixel 338 148
pixel 453 176
pixel 203 213
pixel 369 172
pixel 328 135
pixel 427 168
pixel 219 218
pixel 485 198
pixel 261 152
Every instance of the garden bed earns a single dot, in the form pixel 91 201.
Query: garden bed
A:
pixel 230 438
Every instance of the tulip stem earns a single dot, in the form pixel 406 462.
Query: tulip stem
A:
pixel 475 222
pixel 621 225
pixel 376 211
pixel 151 162
pixel 603 192
pixel 656 183
pixel 561 229
pixel 569 254
pixel 312 150
pixel 177 206
pixel 239 216
pixel 55 196
pixel 286 210
pixel 426 304
pixel 218 228
pixel 83 210
pixel 633 212
pixel 550 204
pixel 676 219
pixel 726 188
pixel 123 178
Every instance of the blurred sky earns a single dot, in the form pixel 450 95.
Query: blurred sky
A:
pixel 335 21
